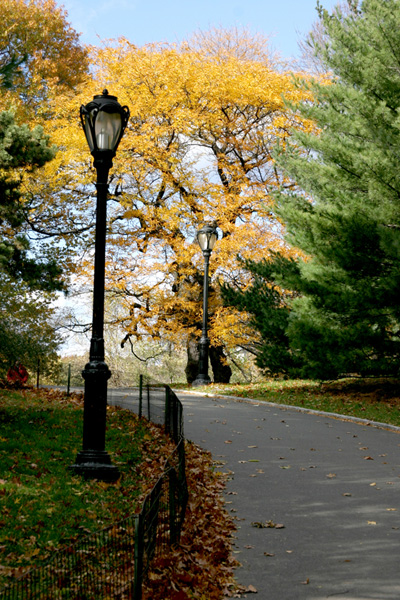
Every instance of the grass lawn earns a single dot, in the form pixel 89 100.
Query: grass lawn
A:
pixel 44 506
pixel 373 399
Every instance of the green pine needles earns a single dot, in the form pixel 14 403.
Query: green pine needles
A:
pixel 342 304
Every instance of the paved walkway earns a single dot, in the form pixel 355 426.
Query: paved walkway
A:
pixel 333 484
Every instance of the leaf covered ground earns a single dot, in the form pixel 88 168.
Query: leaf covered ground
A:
pixel 201 567
pixel 43 506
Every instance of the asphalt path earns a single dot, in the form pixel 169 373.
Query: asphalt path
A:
pixel 315 498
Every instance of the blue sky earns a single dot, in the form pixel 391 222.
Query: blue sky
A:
pixel 144 21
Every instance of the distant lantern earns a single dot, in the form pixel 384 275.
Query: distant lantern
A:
pixel 207 236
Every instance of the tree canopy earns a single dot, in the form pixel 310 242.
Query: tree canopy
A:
pixel 345 213
pixel 205 118
pixel 40 54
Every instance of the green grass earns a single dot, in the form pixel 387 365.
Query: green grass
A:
pixel 376 400
pixel 43 505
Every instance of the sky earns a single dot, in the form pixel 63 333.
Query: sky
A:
pixel 284 22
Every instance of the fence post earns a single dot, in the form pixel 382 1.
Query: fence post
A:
pixel 38 374
pixel 175 431
pixel 139 547
pixel 69 380
pixel 174 535
pixel 167 415
pixel 140 395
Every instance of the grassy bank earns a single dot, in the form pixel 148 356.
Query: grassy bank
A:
pixel 43 506
pixel 373 399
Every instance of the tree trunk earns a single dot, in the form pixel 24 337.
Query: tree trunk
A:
pixel 221 370
pixel 192 366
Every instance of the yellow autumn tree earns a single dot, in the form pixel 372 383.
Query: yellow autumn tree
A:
pixel 40 58
pixel 205 118
pixel 37 46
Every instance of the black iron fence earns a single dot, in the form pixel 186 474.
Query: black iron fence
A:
pixel 154 401
pixel 113 563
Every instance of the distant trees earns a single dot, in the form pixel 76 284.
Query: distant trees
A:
pixel 337 310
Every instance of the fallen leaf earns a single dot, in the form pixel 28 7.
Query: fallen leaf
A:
pixel 371 522
pixel 251 589
pixel 306 582
pixel 391 509
pixel 267 524
pixel 346 494
pixel 368 458
pixel 228 442
pixel 269 554
pixel 258 524
pixel 331 475
pixel 252 446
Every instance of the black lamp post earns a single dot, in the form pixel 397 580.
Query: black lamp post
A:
pixel 104 121
pixel 206 237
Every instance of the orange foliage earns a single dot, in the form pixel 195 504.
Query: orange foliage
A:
pixel 206 117
pixel 38 41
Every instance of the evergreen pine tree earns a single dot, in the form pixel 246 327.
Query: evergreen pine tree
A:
pixel 345 213
pixel 347 217
pixel 269 310
pixel 21 149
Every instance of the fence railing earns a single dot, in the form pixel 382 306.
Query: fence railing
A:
pixel 154 401
pixel 113 563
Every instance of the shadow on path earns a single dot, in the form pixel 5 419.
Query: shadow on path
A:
pixel 333 484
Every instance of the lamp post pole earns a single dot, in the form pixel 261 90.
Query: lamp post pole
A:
pixel 104 121
pixel 207 236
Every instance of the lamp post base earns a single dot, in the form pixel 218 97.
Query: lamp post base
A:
pixel 92 464
pixel 201 380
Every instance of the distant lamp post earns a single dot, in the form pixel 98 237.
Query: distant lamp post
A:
pixel 104 121
pixel 206 237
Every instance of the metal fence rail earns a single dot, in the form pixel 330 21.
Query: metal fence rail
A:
pixel 101 565
pixel 113 563
pixel 161 518
pixel 155 401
